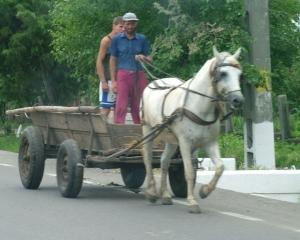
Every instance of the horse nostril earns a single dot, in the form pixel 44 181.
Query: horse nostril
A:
pixel 237 102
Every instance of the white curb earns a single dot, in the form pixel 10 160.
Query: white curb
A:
pixel 256 181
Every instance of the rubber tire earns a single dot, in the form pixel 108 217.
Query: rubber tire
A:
pixel 177 181
pixel 69 169
pixel 31 159
pixel 133 176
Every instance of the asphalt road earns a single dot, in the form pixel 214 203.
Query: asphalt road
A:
pixel 105 210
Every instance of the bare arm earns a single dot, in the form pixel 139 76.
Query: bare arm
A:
pixel 104 44
pixel 113 68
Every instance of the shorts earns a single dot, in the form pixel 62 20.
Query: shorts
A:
pixel 107 99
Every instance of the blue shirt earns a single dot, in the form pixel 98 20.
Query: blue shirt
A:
pixel 125 49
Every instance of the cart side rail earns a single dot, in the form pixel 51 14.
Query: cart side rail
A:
pixel 62 109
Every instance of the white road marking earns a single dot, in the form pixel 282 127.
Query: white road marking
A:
pixel 90 182
pixel 6 165
pixel 288 228
pixel 241 216
pixel 180 202
pixel 232 214
pixel 51 174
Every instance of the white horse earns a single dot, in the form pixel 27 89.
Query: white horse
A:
pixel 193 108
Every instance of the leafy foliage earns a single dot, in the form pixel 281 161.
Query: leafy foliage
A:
pixel 27 69
pixel 193 28
pixel 285 48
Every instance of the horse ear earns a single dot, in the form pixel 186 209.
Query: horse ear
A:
pixel 237 54
pixel 215 51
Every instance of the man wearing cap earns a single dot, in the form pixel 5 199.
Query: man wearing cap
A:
pixel 127 75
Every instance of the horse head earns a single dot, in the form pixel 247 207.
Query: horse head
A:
pixel 226 73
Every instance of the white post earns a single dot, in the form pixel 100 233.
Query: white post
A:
pixel 258 128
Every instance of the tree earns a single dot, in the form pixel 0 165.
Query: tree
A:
pixel 285 49
pixel 193 28
pixel 27 69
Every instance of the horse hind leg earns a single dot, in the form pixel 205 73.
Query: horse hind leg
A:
pixel 214 153
pixel 150 191
pixel 168 153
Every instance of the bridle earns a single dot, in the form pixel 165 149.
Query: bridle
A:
pixel 216 74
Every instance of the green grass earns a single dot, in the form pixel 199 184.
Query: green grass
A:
pixel 9 143
pixel 232 145
pixel 287 154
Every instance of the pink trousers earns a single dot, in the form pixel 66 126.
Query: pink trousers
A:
pixel 130 86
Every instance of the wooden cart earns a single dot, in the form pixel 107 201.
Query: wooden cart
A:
pixel 81 138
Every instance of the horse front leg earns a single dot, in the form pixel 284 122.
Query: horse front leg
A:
pixel 214 153
pixel 150 192
pixel 186 153
pixel 168 153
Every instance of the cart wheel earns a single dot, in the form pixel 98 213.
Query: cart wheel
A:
pixel 177 180
pixel 69 169
pixel 31 158
pixel 133 176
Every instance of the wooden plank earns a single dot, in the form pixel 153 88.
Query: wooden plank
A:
pixel 57 136
pixel 124 159
pixel 62 109
pixel 100 123
pixel 73 121
pixel 124 134
pixel 78 126
pixel 53 120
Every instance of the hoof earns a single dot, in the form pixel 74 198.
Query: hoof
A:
pixel 166 201
pixel 194 209
pixel 204 192
pixel 151 198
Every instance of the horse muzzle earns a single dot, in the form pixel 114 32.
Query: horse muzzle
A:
pixel 235 99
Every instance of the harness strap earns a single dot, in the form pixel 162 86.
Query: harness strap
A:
pixel 194 118
pixel 164 100
pixel 226 116
pixel 157 87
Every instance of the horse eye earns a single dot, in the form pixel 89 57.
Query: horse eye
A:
pixel 223 74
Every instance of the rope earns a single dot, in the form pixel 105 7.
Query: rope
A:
pixel 156 68
pixel 148 71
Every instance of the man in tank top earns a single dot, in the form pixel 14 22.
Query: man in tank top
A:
pixel 106 96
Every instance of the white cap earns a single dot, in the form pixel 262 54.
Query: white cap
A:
pixel 130 17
